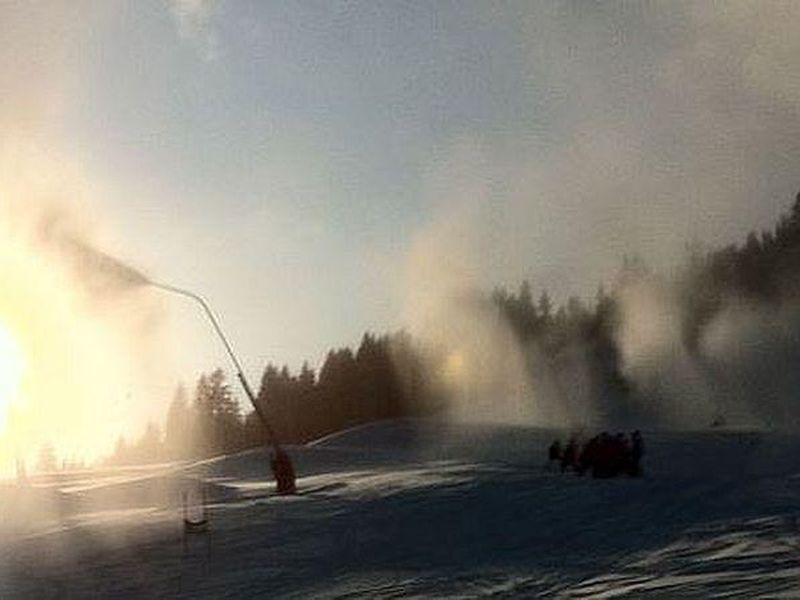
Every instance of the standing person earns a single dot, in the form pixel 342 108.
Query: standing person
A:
pixel 588 456
pixel 621 456
pixel 570 455
pixel 604 457
pixel 554 453
pixel 637 451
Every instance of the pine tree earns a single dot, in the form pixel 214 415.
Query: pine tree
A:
pixel 225 414
pixel 47 459
pixel 545 309
pixel 179 427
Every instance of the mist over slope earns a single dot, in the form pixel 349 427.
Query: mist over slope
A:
pixel 89 341
pixel 718 338
pixel 710 342
pixel 88 335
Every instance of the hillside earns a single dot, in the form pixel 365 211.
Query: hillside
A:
pixel 409 508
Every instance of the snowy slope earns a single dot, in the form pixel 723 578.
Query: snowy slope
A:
pixel 420 508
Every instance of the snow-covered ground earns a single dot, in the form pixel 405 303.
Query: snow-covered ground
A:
pixel 420 508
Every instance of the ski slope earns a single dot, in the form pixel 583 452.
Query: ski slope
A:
pixel 421 508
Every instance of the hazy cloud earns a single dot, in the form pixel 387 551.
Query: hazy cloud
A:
pixel 193 18
pixel 658 127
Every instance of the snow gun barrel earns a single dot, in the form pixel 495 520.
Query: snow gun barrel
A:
pixel 273 440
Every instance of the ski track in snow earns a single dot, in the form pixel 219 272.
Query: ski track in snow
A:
pixel 421 509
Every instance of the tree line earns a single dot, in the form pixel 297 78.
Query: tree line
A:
pixel 761 273
pixel 389 376
pixel 384 378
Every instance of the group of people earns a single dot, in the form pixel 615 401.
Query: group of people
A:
pixel 604 455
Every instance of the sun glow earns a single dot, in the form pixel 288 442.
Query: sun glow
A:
pixel 71 348
pixel 454 368
pixel 58 363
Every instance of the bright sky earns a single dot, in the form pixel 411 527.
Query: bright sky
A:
pixel 295 161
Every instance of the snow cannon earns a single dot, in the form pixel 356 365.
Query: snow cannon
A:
pixel 281 464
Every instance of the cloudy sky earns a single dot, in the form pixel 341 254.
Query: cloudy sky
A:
pixel 312 166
